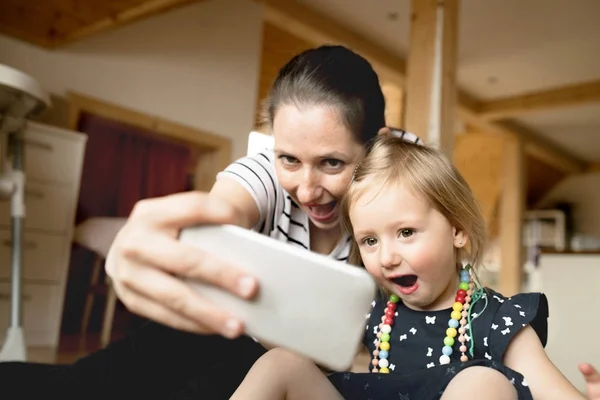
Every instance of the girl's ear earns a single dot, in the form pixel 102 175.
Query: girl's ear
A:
pixel 460 238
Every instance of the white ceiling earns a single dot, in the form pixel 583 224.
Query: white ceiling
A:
pixel 577 130
pixel 506 48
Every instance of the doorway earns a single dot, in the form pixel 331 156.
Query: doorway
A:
pixel 129 156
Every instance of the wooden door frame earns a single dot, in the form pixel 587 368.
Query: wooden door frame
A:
pixel 215 151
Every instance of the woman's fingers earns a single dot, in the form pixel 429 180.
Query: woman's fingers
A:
pixel 147 264
pixel 183 209
pixel 162 297
pixel 185 260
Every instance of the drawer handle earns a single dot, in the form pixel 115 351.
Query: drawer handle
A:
pixel 6 297
pixel 39 145
pixel 28 244
pixel 34 193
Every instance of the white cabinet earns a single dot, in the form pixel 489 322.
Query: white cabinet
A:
pixel 53 166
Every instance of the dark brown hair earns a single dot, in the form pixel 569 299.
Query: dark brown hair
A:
pixel 332 76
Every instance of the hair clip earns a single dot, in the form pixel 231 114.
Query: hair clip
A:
pixel 354 173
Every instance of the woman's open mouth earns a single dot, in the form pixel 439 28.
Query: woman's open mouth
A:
pixel 322 212
pixel 406 284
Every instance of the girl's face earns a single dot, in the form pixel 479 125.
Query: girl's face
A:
pixel 315 158
pixel 407 245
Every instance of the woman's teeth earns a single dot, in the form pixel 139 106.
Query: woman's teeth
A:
pixel 323 209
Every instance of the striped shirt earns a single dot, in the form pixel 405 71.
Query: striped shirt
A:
pixel 280 216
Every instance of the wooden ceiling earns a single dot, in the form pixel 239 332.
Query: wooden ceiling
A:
pixel 53 23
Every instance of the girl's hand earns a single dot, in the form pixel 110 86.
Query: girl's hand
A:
pixel 146 258
pixel 592 380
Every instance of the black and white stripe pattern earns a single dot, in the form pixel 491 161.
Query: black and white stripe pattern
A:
pixel 280 217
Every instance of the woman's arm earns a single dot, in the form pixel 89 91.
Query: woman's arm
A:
pixel 146 256
pixel 526 355
pixel 229 191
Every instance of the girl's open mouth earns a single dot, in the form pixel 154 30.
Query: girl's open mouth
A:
pixel 406 284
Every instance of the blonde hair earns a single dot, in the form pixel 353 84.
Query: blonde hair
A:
pixel 426 170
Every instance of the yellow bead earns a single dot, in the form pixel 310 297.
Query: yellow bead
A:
pixel 457 306
pixel 456 315
pixel 451 332
pixel 384 346
pixel 384 371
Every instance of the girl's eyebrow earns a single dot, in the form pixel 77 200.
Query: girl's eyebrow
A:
pixel 363 232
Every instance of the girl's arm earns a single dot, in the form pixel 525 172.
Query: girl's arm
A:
pixel 526 355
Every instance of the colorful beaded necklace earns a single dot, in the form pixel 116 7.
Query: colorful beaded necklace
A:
pixel 458 317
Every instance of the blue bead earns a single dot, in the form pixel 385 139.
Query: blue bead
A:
pixel 452 323
pixel 383 354
pixel 447 350
pixel 465 277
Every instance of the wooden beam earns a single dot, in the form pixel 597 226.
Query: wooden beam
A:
pixel 315 27
pixel 535 146
pixel 430 106
pixel 566 96
pixel 512 205
pixel 593 167
pixel 394 103
pixel 143 10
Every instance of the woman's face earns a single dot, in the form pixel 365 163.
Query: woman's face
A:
pixel 315 158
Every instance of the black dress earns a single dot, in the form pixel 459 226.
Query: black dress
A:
pixel 416 345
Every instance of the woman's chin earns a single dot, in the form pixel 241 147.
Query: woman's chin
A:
pixel 327 224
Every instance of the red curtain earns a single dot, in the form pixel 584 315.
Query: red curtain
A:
pixel 123 164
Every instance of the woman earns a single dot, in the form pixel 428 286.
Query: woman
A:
pixel 323 109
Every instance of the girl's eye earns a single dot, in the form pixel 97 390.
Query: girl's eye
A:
pixel 406 233
pixel 333 163
pixel 370 241
pixel 288 160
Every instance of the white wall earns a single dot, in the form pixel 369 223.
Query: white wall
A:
pixel 198 65
pixel 570 281
pixel 583 191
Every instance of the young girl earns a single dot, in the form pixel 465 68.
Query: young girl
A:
pixel 433 332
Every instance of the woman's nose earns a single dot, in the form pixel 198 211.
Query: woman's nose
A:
pixel 309 187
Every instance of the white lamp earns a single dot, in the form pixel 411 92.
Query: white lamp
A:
pixel 21 97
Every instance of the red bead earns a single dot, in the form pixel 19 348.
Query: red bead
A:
pixel 460 299
pixel 390 313
pixel 461 292
pixel 391 306
pixel 388 321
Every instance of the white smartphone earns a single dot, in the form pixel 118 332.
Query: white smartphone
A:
pixel 308 303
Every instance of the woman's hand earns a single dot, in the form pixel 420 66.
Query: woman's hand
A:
pixel 146 257
pixel 592 380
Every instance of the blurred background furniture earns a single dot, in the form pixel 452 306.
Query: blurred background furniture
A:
pixel 97 234
pixel 53 165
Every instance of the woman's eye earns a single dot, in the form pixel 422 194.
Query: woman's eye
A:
pixel 333 163
pixel 288 160
pixel 370 241
pixel 406 233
